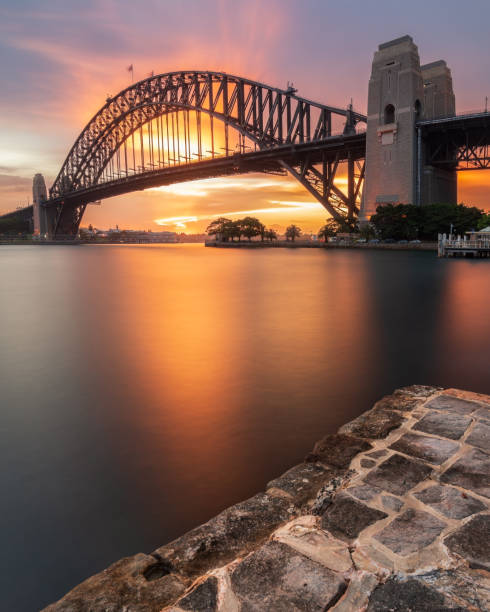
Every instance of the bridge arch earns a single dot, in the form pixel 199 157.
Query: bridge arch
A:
pixel 267 116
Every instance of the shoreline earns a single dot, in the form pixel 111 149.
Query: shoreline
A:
pixel 391 510
pixel 423 246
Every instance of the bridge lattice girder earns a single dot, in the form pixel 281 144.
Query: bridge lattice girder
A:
pixel 268 116
pixel 460 143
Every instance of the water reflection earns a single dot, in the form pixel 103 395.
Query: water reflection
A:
pixel 144 388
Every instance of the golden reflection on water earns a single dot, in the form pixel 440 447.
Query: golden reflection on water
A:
pixel 223 346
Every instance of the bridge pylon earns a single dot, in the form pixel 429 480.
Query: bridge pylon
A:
pixel 402 93
pixel 43 217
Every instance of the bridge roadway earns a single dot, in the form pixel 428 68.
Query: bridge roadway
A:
pixel 336 148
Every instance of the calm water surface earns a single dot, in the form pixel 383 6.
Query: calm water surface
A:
pixel 145 388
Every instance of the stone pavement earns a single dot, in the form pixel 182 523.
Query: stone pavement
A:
pixel 391 513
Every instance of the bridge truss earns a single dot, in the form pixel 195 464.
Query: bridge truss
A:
pixel 187 125
pixel 461 142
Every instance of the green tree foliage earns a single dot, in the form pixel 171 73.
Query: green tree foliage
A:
pixel 218 227
pixel 251 227
pixel 367 231
pixel 263 231
pixel 329 230
pixel 484 221
pixel 293 232
pixel 233 230
pixel 438 218
pixel 400 222
pixel 224 229
pixel 407 222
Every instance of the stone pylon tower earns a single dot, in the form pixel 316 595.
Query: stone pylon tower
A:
pixel 401 92
pixel 39 194
pixel 437 184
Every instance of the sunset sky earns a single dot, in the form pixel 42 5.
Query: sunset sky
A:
pixel 60 59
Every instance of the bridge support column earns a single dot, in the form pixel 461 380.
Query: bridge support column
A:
pixel 42 226
pixel 437 184
pixel 401 93
pixel 395 98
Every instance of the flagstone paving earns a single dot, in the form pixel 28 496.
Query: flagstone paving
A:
pixel 392 513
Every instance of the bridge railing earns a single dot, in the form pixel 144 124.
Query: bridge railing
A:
pixel 460 115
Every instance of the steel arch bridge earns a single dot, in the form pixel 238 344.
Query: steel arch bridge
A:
pixel 170 127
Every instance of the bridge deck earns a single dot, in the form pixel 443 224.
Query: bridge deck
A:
pixel 337 147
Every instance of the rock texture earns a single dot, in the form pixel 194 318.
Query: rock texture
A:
pixel 392 513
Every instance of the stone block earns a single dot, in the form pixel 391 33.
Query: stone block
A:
pixel 449 501
pixel 304 536
pixel 391 503
pixel 337 450
pixel 448 425
pixel 302 482
pixel 417 390
pixel 483 414
pixel 428 448
pixel 358 592
pixel 410 532
pixel 227 535
pixel 463 587
pixel 449 403
pixel 480 436
pixel 406 596
pixel 139 584
pixel 375 424
pixel 480 398
pixel 363 492
pixel 202 598
pixel 471 471
pixel 398 401
pixel 347 517
pixel 472 542
pixel 275 577
pixel 398 474
pixel 327 493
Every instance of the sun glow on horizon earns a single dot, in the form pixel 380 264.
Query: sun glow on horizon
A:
pixel 281 206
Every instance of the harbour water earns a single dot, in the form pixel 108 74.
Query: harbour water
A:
pixel 145 388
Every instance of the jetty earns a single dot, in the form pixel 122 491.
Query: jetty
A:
pixel 472 244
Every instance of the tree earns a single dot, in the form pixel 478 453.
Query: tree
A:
pixel 329 230
pixel 270 234
pixel 262 232
pixel 398 222
pixel 293 232
pixel 250 227
pixel 484 221
pixel 438 219
pixel 367 231
pixel 234 230
pixel 221 228
pixel 406 221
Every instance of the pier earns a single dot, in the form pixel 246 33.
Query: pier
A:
pixel 473 244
